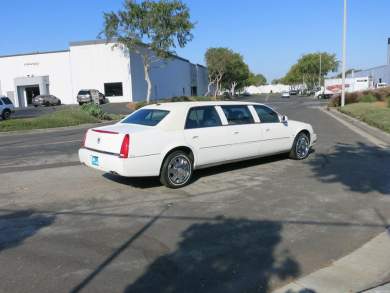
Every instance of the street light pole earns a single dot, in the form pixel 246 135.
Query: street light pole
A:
pixel 344 53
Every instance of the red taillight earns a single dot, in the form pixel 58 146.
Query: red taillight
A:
pixel 84 139
pixel 124 153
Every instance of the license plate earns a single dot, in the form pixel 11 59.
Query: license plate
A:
pixel 95 161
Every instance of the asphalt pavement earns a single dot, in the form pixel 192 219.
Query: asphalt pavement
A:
pixel 246 227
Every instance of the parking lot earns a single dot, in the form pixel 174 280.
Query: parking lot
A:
pixel 246 227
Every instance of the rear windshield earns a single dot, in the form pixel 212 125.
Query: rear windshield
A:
pixel 83 92
pixel 149 117
pixel 6 101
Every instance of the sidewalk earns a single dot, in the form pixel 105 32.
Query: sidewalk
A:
pixel 367 269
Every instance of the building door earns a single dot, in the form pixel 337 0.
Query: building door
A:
pixel 194 91
pixel 31 92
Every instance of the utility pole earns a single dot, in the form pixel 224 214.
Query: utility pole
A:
pixel 344 53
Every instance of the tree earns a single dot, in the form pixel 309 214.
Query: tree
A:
pixel 217 61
pixel 151 28
pixel 307 69
pixel 237 73
pixel 256 79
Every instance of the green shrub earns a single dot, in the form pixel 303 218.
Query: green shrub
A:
pixel 350 98
pixel 94 110
pixel 388 101
pixel 369 98
pixel 61 118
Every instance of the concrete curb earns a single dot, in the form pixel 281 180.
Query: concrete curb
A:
pixel 366 267
pixel 55 129
pixel 374 135
pixel 378 133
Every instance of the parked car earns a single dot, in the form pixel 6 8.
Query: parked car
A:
pixel 6 108
pixel 46 100
pixel 293 92
pixel 171 140
pixel 90 95
pixel 285 95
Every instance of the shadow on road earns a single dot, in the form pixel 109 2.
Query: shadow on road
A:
pixel 361 168
pixel 226 255
pixel 150 182
pixel 17 226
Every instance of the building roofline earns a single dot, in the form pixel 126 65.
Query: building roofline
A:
pixel 99 42
pixel 34 53
pixel 375 67
pixel 86 43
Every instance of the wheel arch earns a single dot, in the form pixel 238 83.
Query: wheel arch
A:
pixel 183 148
pixel 305 131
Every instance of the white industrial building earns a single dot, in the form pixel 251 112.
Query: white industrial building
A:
pixel 379 74
pixel 96 65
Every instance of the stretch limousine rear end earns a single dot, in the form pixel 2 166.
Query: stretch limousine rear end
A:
pixel 171 140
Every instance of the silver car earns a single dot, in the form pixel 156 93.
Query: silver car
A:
pixel 6 108
pixel 90 95
pixel 46 100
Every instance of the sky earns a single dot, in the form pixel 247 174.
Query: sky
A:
pixel 270 34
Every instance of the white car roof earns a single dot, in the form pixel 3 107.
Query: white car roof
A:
pixel 178 111
pixel 185 105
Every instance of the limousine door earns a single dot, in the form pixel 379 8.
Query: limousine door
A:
pixel 206 135
pixel 276 136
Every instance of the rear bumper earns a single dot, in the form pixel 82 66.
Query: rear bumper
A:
pixel 132 167
pixel 84 99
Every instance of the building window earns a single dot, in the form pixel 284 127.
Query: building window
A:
pixel 113 89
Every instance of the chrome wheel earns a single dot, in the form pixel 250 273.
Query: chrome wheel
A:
pixel 302 148
pixel 179 170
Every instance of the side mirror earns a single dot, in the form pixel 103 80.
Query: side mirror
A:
pixel 284 119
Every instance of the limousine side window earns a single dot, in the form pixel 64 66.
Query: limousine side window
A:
pixel 200 117
pixel 237 114
pixel 266 115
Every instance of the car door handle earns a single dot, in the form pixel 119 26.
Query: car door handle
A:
pixel 195 137
pixel 267 129
pixel 236 132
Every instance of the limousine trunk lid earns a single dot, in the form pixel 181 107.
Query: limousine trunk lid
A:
pixel 109 139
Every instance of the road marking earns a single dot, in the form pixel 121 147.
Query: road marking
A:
pixel 42 144
pixel 357 130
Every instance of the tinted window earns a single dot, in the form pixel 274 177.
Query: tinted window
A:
pixel 199 117
pixel 84 93
pixel 237 114
pixel 7 101
pixel 266 114
pixel 149 117
pixel 1 103
pixel 113 89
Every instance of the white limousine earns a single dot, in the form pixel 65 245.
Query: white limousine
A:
pixel 171 140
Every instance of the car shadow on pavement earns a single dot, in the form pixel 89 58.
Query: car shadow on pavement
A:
pixel 17 226
pixel 150 182
pixel 224 255
pixel 361 168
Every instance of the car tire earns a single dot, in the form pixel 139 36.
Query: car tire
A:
pixel 176 170
pixel 6 114
pixel 59 103
pixel 301 147
pixel 81 103
pixel 47 104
